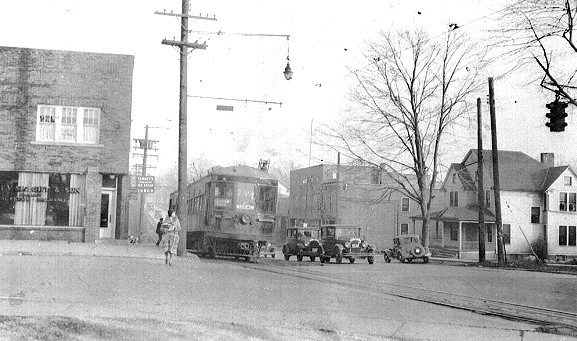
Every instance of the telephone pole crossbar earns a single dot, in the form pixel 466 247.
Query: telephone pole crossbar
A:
pixel 188 16
pixel 183 43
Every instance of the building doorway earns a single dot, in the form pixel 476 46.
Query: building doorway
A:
pixel 108 213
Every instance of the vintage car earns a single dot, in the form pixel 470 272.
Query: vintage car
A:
pixel 345 241
pixel 302 242
pixel 407 247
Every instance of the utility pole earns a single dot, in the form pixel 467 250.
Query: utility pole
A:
pixel 480 189
pixel 338 188
pixel 497 187
pixel 183 44
pixel 144 144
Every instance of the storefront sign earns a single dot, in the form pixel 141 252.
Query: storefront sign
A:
pixel 144 184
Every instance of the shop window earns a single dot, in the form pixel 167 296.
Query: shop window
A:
pixel 41 199
pixel 405 204
pixel 535 215
pixel 507 233
pixel 68 124
pixel 404 228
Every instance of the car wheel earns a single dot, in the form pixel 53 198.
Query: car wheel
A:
pixel 299 255
pixel 425 260
pixel 322 259
pixel 273 255
pixel 286 256
pixel 313 258
pixel 339 257
pixel 371 259
pixel 400 257
pixel 352 260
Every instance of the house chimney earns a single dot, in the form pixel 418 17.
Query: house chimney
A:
pixel 548 159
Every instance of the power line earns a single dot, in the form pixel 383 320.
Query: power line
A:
pixel 455 27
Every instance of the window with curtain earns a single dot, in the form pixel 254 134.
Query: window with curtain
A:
pixel 68 124
pixel 49 199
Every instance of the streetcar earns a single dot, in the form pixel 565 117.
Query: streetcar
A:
pixel 231 212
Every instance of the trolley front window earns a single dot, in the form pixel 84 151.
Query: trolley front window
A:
pixel 222 194
pixel 245 199
pixel 267 198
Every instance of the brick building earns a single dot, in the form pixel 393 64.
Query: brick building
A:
pixel 362 198
pixel 64 144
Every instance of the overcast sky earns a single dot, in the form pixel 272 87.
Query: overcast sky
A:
pixel 326 41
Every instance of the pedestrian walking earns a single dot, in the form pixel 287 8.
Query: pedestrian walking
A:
pixel 170 237
pixel 159 231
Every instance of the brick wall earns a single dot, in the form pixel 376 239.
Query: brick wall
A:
pixel 29 77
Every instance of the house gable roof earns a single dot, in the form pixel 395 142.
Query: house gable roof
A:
pixel 517 171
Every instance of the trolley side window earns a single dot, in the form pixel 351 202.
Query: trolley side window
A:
pixel 267 198
pixel 245 199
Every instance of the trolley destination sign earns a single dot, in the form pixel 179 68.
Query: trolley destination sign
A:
pixel 143 184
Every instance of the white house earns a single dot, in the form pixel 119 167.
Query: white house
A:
pixel 538 206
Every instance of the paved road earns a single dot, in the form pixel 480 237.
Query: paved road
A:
pixel 210 299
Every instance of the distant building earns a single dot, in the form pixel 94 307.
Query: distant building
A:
pixel 360 196
pixel 65 144
pixel 538 205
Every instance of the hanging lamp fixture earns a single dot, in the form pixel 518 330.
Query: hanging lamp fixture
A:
pixel 288 73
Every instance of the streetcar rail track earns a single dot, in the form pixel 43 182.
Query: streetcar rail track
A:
pixel 548 320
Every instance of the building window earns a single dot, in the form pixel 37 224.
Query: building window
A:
pixel 572 201
pixel 567 181
pixel 572 236
pixel 404 228
pixel 454 178
pixel 454 198
pixel 507 233
pixel 405 204
pixel 563 201
pixel 535 215
pixel 562 235
pixel 454 231
pixel 489 233
pixel 488 198
pixel 68 124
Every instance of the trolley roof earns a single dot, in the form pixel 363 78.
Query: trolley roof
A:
pixel 242 170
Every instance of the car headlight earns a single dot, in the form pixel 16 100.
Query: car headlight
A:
pixel 307 244
pixel 347 244
pixel 364 245
pixel 417 250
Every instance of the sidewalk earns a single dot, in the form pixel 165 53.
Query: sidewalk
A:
pixel 64 248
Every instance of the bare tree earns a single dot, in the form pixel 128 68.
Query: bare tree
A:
pixel 541 33
pixel 413 90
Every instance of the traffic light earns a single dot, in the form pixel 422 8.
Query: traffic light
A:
pixel 556 116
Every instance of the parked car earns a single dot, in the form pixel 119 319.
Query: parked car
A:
pixel 407 247
pixel 302 242
pixel 345 241
pixel 267 249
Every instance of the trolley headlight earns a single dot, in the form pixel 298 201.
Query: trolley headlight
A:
pixel 347 244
